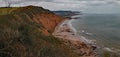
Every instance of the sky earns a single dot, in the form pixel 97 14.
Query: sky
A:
pixel 86 6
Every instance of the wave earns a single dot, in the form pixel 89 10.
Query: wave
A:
pixel 88 41
pixel 82 38
pixel 112 50
pixel 71 26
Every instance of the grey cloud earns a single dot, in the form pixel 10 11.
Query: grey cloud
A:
pixel 3 3
pixel 85 5
pixel 52 6
pixel 89 2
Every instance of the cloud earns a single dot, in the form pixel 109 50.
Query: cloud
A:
pixel 52 5
pixel 3 3
pixel 118 2
pixel 13 1
pixel 73 2
pixel 76 5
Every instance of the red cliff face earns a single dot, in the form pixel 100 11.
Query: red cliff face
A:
pixel 49 21
pixel 39 15
pixel 22 29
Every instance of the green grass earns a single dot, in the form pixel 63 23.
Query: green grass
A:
pixel 5 10
pixel 20 35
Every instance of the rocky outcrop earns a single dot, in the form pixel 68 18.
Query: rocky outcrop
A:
pixel 80 48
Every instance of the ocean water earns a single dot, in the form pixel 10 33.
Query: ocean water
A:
pixel 103 29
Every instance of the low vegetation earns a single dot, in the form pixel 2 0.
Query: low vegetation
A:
pixel 20 36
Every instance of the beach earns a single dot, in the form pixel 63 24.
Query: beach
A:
pixel 79 44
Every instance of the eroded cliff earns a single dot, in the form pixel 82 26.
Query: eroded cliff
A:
pixel 26 32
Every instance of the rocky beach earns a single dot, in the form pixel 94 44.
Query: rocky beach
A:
pixel 77 43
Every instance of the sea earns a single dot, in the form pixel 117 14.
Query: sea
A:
pixel 103 30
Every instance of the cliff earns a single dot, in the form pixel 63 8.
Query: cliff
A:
pixel 27 32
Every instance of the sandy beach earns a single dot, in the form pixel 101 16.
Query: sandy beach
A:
pixel 78 43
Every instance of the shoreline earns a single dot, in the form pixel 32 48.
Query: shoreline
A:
pixel 73 30
pixel 68 33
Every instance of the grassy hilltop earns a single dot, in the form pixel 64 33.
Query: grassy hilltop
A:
pixel 26 32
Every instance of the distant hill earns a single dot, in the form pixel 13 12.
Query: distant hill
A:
pixel 27 32
pixel 66 13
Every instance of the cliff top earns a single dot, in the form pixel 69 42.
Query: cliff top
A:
pixel 22 33
pixel 14 10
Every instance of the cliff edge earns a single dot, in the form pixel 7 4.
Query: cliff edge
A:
pixel 27 32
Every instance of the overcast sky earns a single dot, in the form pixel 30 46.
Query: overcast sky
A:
pixel 87 6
